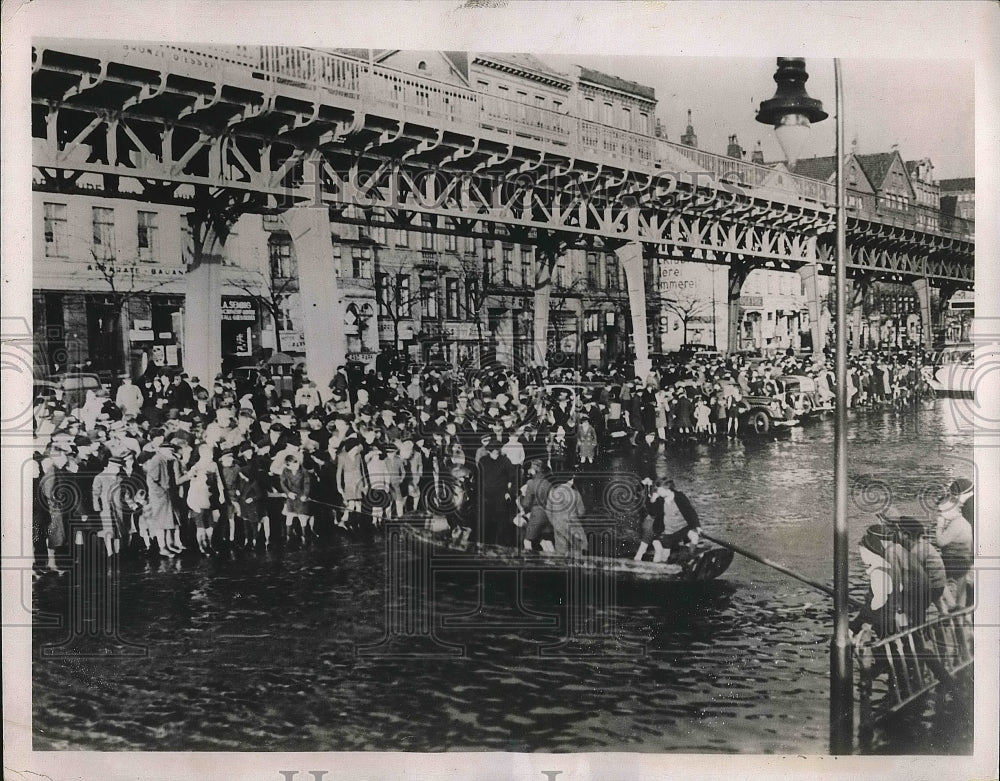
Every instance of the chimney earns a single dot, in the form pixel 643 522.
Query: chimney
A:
pixel 734 149
pixel 689 138
pixel 757 156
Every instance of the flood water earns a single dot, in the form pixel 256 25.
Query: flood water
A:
pixel 283 651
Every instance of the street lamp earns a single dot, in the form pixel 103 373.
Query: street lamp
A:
pixel 791 111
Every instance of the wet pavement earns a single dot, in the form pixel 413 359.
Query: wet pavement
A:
pixel 284 650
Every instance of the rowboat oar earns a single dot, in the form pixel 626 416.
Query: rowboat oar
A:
pixel 773 565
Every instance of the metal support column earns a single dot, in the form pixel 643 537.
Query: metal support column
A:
pixel 841 674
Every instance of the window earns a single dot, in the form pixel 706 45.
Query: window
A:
pixel 428 298
pixel 560 279
pixel 402 238
pixel 378 234
pixel 593 269
pixel 285 322
pixel 282 263
pixel 403 301
pixel 589 109
pixel 508 266
pixel 55 229
pixel 146 235
pixel 489 262
pixel 428 238
pixel 421 66
pixel 104 231
pixel 451 242
pixel 527 272
pixel 626 118
pixel 471 299
pixel 643 123
pixel 384 294
pixel 611 271
pixel 609 112
pixel 361 262
pixel 470 245
pixel 483 86
pixel 451 299
pixel 557 105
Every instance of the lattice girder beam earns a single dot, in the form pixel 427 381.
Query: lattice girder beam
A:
pixel 707 223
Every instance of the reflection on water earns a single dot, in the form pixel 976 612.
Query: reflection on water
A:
pixel 259 652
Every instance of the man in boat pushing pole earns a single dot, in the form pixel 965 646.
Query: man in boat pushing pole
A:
pixel 670 520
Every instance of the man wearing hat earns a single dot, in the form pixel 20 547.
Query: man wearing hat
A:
pixel 252 496
pixel 927 579
pixel 197 389
pixel 307 398
pixel 350 479
pixel 128 397
pixel 161 496
pixel 229 476
pixel 954 540
pixel 495 490
pixel 181 395
pixel 109 493
pixel 586 442
pixel 961 490
pixel 883 609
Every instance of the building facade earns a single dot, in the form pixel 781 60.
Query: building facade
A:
pixel 108 284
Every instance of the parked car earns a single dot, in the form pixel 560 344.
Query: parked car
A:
pixel 801 392
pixel 75 385
pixel 765 414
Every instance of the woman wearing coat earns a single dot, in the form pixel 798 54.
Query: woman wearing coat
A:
pixel 564 508
pixel 160 497
pixel 350 478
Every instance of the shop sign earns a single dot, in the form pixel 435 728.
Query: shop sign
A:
pixel 293 342
pixel 140 335
pixel 236 309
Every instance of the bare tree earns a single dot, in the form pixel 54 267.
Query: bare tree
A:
pixel 563 293
pixel 123 281
pixel 394 301
pixel 270 293
pixel 687 308
pixel 476 282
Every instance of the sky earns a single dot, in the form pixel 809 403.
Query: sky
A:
pixel 924 106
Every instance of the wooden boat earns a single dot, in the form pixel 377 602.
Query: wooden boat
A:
pixel 706 562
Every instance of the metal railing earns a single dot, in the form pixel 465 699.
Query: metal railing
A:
pixel 449 105
pixel 900 669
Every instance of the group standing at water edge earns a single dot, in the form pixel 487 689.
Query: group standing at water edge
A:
pixel 917 569
pixel 169 465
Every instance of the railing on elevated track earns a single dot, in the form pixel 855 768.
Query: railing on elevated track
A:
pixel 413 96
pixel 897 671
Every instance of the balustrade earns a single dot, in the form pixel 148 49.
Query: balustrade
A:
pixel 415 96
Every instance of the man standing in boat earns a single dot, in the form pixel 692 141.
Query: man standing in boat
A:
pixel 670 520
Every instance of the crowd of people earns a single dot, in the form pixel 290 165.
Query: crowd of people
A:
pixel 915 569
pixel 164 464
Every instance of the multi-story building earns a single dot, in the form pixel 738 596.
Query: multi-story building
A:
pixel 958 197
pixel 108 284
pixel 773 312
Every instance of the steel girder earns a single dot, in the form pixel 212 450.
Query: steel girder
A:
pixel 279 147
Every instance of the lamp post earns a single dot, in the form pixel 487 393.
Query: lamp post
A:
pixel 791 111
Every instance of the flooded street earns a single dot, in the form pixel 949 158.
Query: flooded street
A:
pixel 260 651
